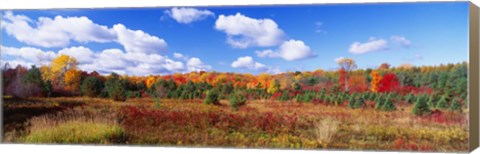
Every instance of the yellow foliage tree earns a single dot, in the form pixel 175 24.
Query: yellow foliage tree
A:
pixel 274 86
pixel 62 64
pixel 72 80
pixel 376 77
pixel 149 82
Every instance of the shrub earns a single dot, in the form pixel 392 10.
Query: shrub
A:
pixel 212 97
pixel 237 99
pixel 442 103
pixel 351 101
pixel 379 101
pixel 91 87
pixel 421 107
pixel 360 102
pixel 388 105
pixel 116 88
pixel 456 106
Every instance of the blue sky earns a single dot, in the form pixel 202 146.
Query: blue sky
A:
pixel 247 39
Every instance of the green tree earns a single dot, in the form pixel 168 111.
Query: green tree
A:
pixel 91 86
pixel 388 105
pixel 442 103
pixel 212 97
pixel 421 107
pixel 237 99
pixel 116 88
pixel 456 106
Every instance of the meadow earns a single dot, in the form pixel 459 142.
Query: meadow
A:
pixel 414 108
pixel 257 124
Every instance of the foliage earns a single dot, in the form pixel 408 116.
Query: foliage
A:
pixel 456 106
pixel 91 86
pixel 116 88
pixel 212 97
pixel 421 107
pixel 237 99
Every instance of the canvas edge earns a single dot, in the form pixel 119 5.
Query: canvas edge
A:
pixel 473 71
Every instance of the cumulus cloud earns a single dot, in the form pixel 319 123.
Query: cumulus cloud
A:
pixel 243 31
pixel 55 32
pixel 247 62
pixel 82 54
pixel 290 50
pixel 373 44
pixel 26 56
pixel 138 41
pixel 105 61
pixel 61 31
pixel 180 56
pixel 188 15
pixel 401 40
pixel 195 64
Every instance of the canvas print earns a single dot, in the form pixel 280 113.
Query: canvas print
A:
pixel 384 76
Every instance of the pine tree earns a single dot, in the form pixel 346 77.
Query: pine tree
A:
pixel 351 102
pixel 421 107
pixel 379 101
pixel 456 106
pixel 388 105
pixel 442 103
pixel 360 102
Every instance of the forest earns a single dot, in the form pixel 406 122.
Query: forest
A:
pixel 404 107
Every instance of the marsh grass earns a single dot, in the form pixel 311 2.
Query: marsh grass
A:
pixel 81 125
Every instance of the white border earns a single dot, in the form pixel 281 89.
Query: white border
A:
pixel 82 149
pixel 46 4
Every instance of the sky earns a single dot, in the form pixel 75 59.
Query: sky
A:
pixel 242 39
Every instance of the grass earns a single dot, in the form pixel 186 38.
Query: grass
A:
pixel 258 124
pixel 77 132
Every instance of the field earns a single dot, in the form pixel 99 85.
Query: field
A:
pixel 257 124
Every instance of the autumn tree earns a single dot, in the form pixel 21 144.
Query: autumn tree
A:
pixel 347 64
pixel 273 87
pixel 375 81
pixel 388 83
pixel 72 80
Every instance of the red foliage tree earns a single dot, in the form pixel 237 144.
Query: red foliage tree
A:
pixel 389 83
pixel 342 79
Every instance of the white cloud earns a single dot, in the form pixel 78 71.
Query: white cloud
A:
pixel 180 56
pixel 318 28
pixel 26 55
pixel 195 64
pixel 290 50
pixel 82 54
pixel 373 44
pixel 56 32
pixel 401 40
pixel 105 62
pixel 243 31
pixel 247 62
pixel 138 41
pixel 267 54
pixel 188 15
pixel 339 59
pixel 61 31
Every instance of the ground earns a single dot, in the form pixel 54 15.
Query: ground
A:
pixel 258 124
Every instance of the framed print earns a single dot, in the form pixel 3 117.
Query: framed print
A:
pixel 370 77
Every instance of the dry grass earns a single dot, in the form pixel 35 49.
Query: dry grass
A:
pixel 325 129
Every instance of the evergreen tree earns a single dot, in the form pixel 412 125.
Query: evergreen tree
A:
pixel 442 103
pixel 360 102
pixel 388 105
pixel 212 97
pixel 421 107
pixel 456 106
pixel 91 86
